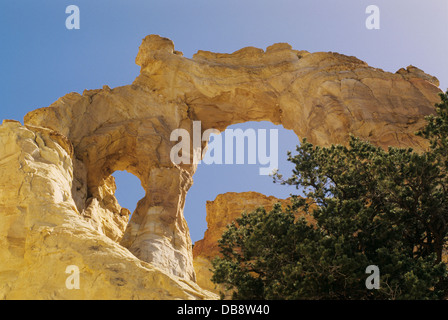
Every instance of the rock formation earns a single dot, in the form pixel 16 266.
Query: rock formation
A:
pixel 42 233
pixel 221 212
pixel 321 96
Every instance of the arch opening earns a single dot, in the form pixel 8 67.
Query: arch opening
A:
pixel 128 190
pixel 212 179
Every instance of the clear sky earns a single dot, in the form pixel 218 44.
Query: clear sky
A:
pixel 41 60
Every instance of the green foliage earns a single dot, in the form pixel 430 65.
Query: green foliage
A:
pixel 374 207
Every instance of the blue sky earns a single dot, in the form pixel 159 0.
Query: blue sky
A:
pixel 41 60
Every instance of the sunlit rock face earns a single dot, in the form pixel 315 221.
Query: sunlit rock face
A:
pixel 322 96
pixel 44 236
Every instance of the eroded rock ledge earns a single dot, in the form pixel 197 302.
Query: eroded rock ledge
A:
pixel 321 96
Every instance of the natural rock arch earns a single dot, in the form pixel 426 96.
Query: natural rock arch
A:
pixel 321 96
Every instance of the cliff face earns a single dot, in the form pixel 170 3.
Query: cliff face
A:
pixel 321 96
pixel 225 209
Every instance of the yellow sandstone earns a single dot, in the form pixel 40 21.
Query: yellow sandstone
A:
pixel 57 203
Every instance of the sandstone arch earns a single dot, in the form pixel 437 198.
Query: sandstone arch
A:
pixel 321 96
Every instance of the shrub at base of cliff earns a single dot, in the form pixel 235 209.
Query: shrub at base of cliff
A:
pixel 374 207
